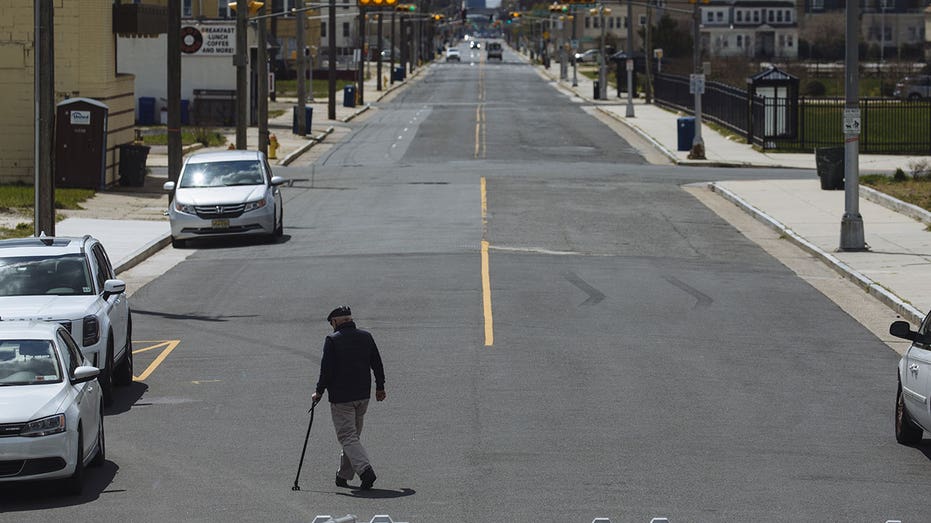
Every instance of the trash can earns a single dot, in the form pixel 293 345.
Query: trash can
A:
pixel 685 131
pixel 597 90
pixel 829 162
pixel 132 164
pixel 308 118
pixel 146 110
pixel 398 74
pixel 349 96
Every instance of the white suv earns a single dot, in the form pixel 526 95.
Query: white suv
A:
pixel 70 281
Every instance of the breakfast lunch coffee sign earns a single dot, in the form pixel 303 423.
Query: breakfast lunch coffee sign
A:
pixel 208 39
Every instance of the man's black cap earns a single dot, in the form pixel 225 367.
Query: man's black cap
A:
pixel 342 310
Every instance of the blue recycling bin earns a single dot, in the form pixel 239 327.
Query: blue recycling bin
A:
pixel 349 96
pixel 399 74
pixel 146 110
pixel 685 128
pixel 308 118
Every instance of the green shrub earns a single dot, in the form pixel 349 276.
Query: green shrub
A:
pixel 815 88
pixel 899 175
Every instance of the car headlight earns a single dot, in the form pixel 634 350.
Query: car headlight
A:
pixel 186 209
pixel 44 427
pixel 91 330
pixel 251 206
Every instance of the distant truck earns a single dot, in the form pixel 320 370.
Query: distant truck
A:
pixel 494 50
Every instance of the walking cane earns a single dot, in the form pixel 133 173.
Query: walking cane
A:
pixel 307 437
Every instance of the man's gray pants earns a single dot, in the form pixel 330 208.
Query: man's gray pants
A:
pixel 347 420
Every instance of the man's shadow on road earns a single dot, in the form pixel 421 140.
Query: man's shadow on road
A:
pixel 377 493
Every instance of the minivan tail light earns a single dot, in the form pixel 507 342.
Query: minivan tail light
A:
pixel 91 331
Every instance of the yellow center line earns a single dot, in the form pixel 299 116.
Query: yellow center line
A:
pixel 486 278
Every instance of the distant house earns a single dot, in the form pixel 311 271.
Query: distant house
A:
pixel 754 29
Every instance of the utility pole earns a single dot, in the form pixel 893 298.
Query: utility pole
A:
pixel 44 78
pixel 331 66
pixel 630 60
pixel 602 59
pixel 647 52
pixel 241 60
pixel 378 85
pixel 851 227
pixel 174 89
pixel 261 56
pixel 697 82
pixel 573 46
pixel 393 44
pixel 299 20
pixel 362 57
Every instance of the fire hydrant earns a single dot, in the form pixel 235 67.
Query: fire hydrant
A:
pixel 272 147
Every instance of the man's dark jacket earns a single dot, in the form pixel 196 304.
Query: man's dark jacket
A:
pixel 348 354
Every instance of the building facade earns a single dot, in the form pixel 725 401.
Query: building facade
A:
pixel 753 29
pixel 85 66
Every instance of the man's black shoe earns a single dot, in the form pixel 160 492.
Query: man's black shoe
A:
pixel 368 479
pixel 340 482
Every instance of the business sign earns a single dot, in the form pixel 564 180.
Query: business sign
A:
pixel 80 117
pixel 209 39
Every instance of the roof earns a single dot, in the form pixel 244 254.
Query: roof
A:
pixel 224 156
pixel 42 246
pixel 773 74
pixel 28 329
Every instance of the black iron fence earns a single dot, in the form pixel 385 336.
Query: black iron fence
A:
pixel 888 125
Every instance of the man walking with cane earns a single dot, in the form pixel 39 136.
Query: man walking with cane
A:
pixel 350 357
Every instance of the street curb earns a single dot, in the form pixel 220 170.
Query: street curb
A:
pixel 144 253
pixel 295 154
pixel 901 307
pixel 894 204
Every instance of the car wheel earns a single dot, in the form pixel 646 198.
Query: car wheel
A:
pixel 74 484
pixel 279 229
pixel 178 244
pixel 101 455
pixel 106 375
pixel 124 371
pixel 906 432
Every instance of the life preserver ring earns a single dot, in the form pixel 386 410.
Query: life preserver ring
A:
pixel 191 39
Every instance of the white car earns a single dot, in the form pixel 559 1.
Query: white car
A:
pixel 452 54
pixel 226 193
pixel 71 281
pixel 51 406
pixel 912 407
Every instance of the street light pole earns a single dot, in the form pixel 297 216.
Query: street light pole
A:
pixel 261 57
pixel 572 50
pixel 698 145
pixel 851 227
pixel 602 77
pixel 241 60
pixel 299 20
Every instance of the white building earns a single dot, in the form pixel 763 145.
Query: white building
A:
pixel 755 29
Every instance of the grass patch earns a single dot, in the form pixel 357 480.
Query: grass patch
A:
pixel 19 200
pixel 189 136
pixel 320 88
pixel 913 188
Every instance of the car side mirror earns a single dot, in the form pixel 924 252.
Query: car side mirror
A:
pixel 84 373
pixel 168 186
pixel 278 180
pixel 111 287
pixel 901 329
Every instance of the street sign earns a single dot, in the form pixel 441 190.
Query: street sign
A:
pixel 697 84
pixel 851 121
pixel 630 64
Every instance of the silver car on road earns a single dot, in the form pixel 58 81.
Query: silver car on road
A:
pixel 226 193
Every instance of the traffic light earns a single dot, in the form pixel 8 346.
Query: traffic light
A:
pixel 253 6
pixel 438 17
pixel 559 8
pixel 405 7
pixel 375 3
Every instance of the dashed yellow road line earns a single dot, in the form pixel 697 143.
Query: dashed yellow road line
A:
pixel 166 348
pixel 486 277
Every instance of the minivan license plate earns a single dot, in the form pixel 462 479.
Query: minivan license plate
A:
pixel 221 224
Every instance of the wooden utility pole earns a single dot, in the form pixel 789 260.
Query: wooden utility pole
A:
pixel 261 66
pixel 44 89
pixel 174 89
pixel 241 61
pixel 331 69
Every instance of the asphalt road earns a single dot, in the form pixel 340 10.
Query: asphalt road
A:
pixel 636 356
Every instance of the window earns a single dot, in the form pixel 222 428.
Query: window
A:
pixel 595 23
pixel 346 32
pixel 643 20
pixel 772 17
pixel 817 5
pixel 346 6
pixel 790 42
pixel 719 16
pixel 779 16
pixel 186 8
pixel 740 40
pixel 789 15
pixel 74 355
pixel 710 17
pixel 756 17
pixel 740 16
pixel 322 29
pixel 588 23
